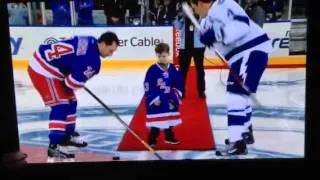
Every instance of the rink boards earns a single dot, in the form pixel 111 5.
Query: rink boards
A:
pixel 137 44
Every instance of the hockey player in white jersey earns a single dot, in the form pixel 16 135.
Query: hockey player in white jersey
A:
pixel 227 27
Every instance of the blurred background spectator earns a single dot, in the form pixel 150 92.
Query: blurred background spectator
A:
pixel 61 13
pixel 275 9
pixel 149 12
pixel 18 13
pixel 256 11
pixel 114 11
pixel 133 12
pixel 165 12
pixel 84 8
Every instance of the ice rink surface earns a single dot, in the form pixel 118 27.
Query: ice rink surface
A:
pixel 279 124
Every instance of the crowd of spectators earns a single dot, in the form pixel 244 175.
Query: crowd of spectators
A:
pixel 126 12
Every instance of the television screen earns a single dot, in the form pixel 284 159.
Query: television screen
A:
pixel 111 81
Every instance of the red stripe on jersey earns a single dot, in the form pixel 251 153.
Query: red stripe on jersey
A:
pixel 46 67
pixel 57 125
pixel 167 118
pixel 71 119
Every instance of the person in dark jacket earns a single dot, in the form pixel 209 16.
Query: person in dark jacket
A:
pixel 256 11
pixel 115 12
pixel 190 47
pixel 166 12
pixel 274 9
pixel 61 13
pixel 84 9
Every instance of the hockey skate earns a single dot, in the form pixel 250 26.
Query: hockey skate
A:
pixel 59 153
pixel 170 139
pixel 248 136
pixel 73 143
pixel 236 148
pixel 76 141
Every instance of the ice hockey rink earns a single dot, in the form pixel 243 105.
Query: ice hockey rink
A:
pixel 279 123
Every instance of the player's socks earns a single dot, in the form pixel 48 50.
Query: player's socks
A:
pixel 202 95
pixel 169 136
pixel 248 122
pixel 234 148
pixel 59 153
pixel 153 135
pixel 236 116
pixel 248 132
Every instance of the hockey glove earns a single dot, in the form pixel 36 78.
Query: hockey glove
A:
pixel 155 102
pixel 208 37
pixel 174 98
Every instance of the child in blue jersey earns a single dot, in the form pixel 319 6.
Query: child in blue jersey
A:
pixel 56 71
pixel 246 47
pixel 163 91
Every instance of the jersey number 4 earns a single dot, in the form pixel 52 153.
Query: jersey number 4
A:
pixel 58 50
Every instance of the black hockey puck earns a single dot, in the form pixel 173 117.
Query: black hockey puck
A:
pixel 218 153
pixel 115 158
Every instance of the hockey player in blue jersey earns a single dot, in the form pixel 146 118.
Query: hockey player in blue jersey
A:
pixel 163 91
pixel 56 71
pixel 246 46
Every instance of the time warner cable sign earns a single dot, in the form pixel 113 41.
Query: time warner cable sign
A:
pixel 136 43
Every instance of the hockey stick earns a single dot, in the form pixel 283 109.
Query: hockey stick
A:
pixel 261 83
pixel 187 10
pixel 124 124
pixel 211 62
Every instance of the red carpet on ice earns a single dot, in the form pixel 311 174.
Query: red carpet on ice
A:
pixel 195 132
